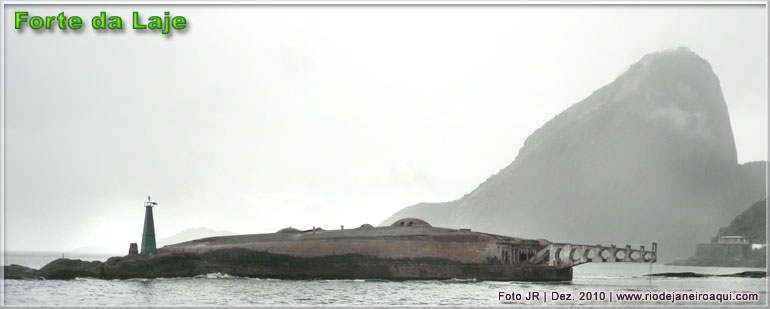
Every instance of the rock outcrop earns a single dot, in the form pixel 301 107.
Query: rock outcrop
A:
pixel 648 157
pixel 70 269
pixel 20 272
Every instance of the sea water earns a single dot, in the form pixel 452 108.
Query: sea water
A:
pixel 225 290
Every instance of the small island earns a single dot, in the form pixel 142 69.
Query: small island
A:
pixel 408 249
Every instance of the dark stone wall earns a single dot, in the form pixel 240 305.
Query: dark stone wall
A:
pixel 722 251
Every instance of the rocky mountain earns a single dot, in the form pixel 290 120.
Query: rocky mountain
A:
pixel 751 182
pixel 649 157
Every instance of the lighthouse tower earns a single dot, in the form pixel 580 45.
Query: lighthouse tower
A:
pixel 148 235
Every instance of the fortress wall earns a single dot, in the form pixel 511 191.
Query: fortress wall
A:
pixel 721 251
pixel 464 252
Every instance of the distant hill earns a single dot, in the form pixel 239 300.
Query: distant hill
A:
pixel 751 223
pixel 191 234
pixel 650 157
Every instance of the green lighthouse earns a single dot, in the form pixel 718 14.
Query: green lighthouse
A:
pixel 148 235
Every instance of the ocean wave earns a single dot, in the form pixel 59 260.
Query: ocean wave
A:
pixel 457 280
pixel 216 275
pixel 133 280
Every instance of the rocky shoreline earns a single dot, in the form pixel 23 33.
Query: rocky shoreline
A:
pixel 745 274
pixel 164 265
pixel 259 264
pixel 170 264
pixel 711 262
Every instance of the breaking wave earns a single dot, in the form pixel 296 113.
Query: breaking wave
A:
pixel 216 275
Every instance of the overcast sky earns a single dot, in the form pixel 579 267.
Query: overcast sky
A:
pixel 257 118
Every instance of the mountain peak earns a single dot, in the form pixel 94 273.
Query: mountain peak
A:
pixel 676 68
pixel 681 51
pixel 675 88
pixel 679 55
pixel 655 145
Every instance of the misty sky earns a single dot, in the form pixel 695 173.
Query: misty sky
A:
pixel 257 118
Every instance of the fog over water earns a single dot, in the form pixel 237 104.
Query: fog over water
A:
pixel 257 118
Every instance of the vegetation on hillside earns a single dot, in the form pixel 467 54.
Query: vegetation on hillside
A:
pixel 750 223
